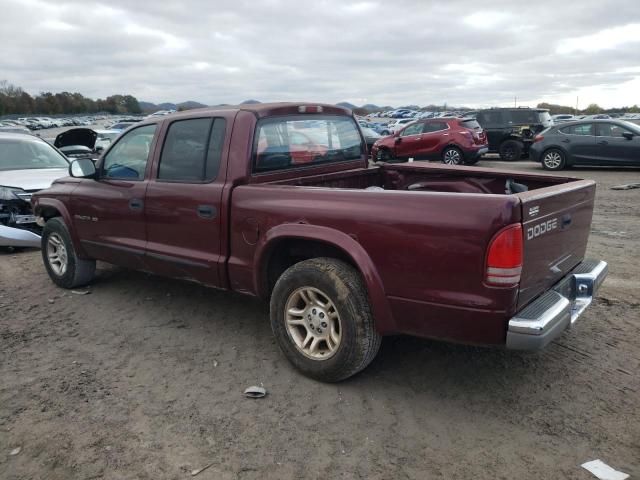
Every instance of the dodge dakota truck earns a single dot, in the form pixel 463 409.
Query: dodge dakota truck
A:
pixel 278 201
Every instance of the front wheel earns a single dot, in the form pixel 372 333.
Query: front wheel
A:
pixel 553 159
pixel 384 155
pixel 60 259
pixel 321 318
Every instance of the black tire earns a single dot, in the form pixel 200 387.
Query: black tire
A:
pixel 385 133
pixel 384 155
pixel 510 150
pixel 452 156
pixel 76 272
pixel 553 159
pixel 343 287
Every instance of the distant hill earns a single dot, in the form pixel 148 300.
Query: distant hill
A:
pixel 371 107
pixel 190 105
pixel 348 105
pixel 250 102
pixel 149 107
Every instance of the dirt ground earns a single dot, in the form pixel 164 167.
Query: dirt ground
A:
pixel 143 379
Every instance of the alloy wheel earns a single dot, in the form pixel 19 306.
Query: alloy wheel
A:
pixel 57 254
pixel 552 160
pixel 452 157
pixel 313 323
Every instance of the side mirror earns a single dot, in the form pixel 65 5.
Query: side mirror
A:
pixel 82 168
pixel 627 135
pixel 99 149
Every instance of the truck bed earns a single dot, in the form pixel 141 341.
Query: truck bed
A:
pixel 421 176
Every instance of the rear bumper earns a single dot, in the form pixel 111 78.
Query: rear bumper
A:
pixel 17 237
pixel 546 318
pixel 472 154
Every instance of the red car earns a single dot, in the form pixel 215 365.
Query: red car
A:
pixel 455 141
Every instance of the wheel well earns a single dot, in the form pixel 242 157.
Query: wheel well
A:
pixel 553 147
pixel 47 212
pixel 288 252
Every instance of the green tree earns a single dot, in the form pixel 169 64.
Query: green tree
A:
pixel 592 109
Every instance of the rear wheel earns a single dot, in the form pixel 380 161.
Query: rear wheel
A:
pixel 510 150
pixel 452 156
pixel 321 318
pixel 60 259
pixel 553 159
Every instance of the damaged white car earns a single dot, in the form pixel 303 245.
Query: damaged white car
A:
pixel 27 164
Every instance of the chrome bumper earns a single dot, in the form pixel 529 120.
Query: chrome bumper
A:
pixel 17 237
pixel 546 318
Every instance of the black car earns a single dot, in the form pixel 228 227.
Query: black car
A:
pixel 511 130
pixel 588 142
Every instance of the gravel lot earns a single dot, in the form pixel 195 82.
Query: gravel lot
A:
pixel 143 378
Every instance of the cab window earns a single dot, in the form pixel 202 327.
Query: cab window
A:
pixel 128 158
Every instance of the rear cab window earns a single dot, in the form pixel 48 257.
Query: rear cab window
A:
pixel 299 141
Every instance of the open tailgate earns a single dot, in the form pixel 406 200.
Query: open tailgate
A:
pixel 556 225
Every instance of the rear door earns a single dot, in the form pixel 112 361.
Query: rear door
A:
pixel 580 142
pixel 434 136
pixel 183 201
pixel 556 226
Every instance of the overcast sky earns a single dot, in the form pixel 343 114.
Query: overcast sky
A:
pixel 393 52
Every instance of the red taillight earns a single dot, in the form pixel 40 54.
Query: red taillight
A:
pixel 504 257
pixel 538 138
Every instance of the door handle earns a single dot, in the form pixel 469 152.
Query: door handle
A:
pixel 603 142
pixel 566 140
pixel 206 211
pixel 135 204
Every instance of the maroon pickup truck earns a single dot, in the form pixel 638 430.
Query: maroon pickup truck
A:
pixel 278 201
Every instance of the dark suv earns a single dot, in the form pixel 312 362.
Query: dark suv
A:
pixel 511 130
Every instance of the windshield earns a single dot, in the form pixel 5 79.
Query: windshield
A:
pixel 21 154
pixel 287 142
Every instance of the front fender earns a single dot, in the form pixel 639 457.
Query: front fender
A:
pixel 42 204
pixel 379 304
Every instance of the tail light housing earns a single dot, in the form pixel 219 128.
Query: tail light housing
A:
pixel 504 257
pixel 538 138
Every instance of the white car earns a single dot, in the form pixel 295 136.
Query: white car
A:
pixel 396 125
pixel 27 164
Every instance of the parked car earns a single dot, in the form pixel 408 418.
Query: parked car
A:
pixel 588 142
pixel 454 141
pixel 370 137
pixel 27 164
pixel 119 126
pixel 561 118
pixel 379 128
pixel 13 128
pixel 396 125
pixel 344 253
pixel 511 130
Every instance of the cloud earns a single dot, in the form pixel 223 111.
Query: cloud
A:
pixel 400 52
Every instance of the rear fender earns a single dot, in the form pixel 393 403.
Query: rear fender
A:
pixel 380 307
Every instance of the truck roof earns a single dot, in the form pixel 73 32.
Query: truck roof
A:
pixel 263 110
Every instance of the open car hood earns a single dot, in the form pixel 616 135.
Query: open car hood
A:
pixel 77 136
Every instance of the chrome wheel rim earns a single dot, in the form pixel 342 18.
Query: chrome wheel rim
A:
pixel 313 323
pixel 57 254
pixel 452 157
pixel 552 160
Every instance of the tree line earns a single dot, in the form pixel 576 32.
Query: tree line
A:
pixel 14 100
pixel 592 109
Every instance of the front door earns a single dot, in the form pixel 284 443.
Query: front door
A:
pixel 183 202
pixel 108 213
pixel 408 141
pixel 614 148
